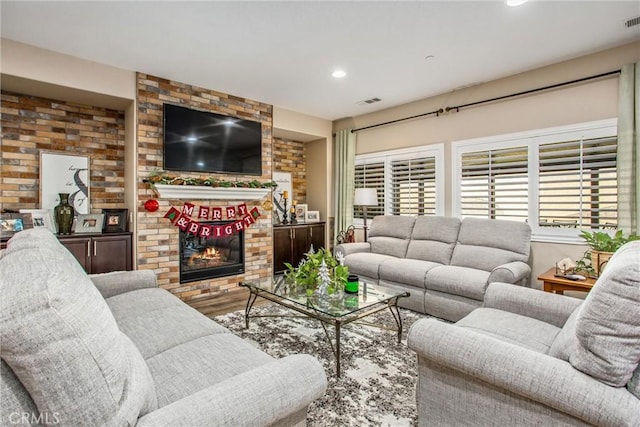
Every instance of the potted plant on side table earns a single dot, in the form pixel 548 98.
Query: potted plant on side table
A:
pixel 602 246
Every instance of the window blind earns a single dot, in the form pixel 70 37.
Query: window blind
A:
pixel 370 175
pixel 578 184
pixel 494 184
pixel 413 186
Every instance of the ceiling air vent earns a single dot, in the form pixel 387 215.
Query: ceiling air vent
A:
pixel 369 101
pixel 632 22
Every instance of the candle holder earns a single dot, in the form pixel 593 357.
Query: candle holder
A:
pixel 294 220
pixel 285 217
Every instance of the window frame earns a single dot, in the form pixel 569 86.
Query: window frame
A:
pixel 531 139
pixel 386 157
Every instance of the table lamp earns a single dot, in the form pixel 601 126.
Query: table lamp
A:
pixel 365 197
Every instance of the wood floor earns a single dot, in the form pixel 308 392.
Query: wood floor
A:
pixel 223 304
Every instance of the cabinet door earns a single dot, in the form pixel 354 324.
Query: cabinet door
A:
pixel 80 247
pixel 316 236
pixel 110 253
pixel 300 244
pixel 281 248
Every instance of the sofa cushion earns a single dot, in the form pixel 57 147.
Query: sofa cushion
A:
pixel 408 271
pixel 433 238
pixel 15 399
pixel 195 365
pixel 608 326
pixel 156 320
pixel 486 243
pixel 510 327
pixel 389 235
pixel 366 264
pixel 463 281
pixel 634 383
pixel 565 343
pixel 61 340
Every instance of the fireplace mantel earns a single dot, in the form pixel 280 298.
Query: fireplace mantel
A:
pixel 195 192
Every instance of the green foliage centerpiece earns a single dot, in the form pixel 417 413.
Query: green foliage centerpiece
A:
pixel 602 245
pixel 319 271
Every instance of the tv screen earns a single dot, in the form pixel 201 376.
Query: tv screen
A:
pixel 198 141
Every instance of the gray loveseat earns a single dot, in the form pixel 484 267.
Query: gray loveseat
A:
pixel 114 349
pixel 534 358
pixel 445 263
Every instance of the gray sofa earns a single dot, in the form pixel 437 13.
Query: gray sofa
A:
pixel 446 264
pixel 534 358
pixel 114 349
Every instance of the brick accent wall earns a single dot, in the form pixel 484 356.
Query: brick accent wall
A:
pixel 31 125
pixel 291 156
pixel 157 238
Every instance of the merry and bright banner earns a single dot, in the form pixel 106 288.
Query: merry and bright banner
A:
pixel 244 219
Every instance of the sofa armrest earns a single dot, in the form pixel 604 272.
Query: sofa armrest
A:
pixel 544 306
pixel 516 272
pixel 258 397
pixel 119 282
pixel 523 372
pixel 352 248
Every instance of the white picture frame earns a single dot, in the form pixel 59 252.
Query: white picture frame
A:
pixel 64 173
pixel 312 216
pixel 89 223
pixel 42 218
pixel 301 212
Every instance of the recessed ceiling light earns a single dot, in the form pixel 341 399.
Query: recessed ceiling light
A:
pixel 338 74
pixel 514 3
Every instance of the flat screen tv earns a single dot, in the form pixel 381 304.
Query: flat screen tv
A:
pixel 198 141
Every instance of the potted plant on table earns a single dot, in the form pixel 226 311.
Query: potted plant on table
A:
pixel 317 264
pixel 602 246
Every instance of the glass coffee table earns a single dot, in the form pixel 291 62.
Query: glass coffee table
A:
pixel 369 300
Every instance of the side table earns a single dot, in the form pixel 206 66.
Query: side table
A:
pixel 558 285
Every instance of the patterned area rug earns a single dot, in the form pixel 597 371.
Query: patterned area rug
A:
pixel 377 386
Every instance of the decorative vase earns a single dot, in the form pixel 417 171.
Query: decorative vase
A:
pixel 64 213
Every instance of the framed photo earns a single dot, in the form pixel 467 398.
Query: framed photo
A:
pixel 301 212
pixel 312 216
pixel 115 220
pixel 89 223
pixel 41 218
pixel 64 173
pixel 11 223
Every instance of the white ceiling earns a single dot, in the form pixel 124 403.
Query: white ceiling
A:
pixel 282 53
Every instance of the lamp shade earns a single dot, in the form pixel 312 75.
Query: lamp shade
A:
pixel 365 197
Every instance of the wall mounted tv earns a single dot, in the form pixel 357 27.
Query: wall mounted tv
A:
pixel 198 141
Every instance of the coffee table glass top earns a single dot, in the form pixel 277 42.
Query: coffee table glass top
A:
pixel 368 296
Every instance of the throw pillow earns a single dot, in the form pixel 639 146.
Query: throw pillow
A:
pixel 608 326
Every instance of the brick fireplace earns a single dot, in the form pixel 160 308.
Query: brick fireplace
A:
pixel 158 240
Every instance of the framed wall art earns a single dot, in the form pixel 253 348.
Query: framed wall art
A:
pixel 64 173
pixel 89 223
pixel 115 220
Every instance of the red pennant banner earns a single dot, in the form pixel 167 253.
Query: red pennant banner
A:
pixel 187 209
pixel 182 219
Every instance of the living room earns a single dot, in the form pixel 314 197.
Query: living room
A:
pixel 45 85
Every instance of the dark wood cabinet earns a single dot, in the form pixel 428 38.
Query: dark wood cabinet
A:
pixel 291 242
pixel 101 253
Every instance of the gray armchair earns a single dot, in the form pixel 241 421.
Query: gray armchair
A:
pixel 533 358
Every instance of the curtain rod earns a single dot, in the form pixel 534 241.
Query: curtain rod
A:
pixel 458 107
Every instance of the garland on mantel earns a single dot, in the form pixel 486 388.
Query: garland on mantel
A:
pixel 158 178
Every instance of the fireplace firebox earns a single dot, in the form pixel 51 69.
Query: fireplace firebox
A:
pixel 209 257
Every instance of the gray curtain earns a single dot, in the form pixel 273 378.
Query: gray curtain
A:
pixel 628 159
pixel 344 179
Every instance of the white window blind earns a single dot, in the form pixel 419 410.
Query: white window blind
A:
pixel 494 184
pixel 578 184
pixel 370 175
pixel 413 186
